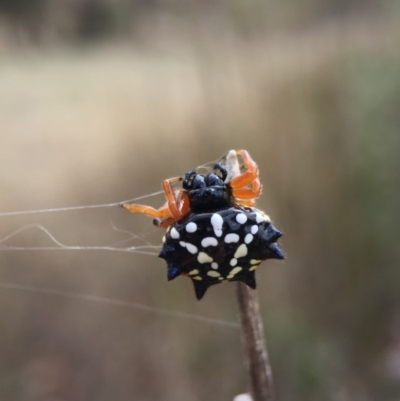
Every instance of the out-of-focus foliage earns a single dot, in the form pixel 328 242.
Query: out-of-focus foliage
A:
pixel 311 89
pixel 45 21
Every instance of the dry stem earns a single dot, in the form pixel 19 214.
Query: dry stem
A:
pixel 256 356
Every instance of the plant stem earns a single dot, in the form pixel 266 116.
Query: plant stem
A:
pixel 255 352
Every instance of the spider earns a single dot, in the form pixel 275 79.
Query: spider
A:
pixel 202 193
pixel 214 233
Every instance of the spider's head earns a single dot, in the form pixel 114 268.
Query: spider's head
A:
pixel 207 192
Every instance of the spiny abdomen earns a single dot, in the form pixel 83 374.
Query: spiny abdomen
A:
pixel 212 248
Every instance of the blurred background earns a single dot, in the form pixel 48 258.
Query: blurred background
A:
pixel 101 100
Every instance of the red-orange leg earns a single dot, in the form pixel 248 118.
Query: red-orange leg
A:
pixel 246 202
pixel 182 202
pixel 176 207
pixel 248 193
pixel 249 177
pixel 164 223
pixel 149 211
pixel 174 202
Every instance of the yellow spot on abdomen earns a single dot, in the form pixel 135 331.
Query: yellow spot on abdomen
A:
pixel 193 272
pixel 241 251
pixel 235 270
pixel 204 258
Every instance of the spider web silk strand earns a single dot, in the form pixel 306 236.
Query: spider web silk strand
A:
pixel 119 303
pixel 64 209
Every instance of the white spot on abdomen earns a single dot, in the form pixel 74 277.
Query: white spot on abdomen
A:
pixel 241 218
pixel 217 221
pixel 174 233
pixel 191 227
pixel 209 241
pixel 248 238
pixel 254 229
pixel 190 247
pixel 262 217
pixel 214 265
pixel 231 238
pixel 213 273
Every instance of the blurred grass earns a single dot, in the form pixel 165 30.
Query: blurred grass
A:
pixel 318 111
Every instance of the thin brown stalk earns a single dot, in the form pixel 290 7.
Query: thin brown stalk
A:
pixel 255 351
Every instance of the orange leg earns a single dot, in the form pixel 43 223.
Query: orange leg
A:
pixel 248 193
pixel 164 223
pixel 149 211
pixel 173 201
pixel 176 207
pixel 249 177
pixel 246 202
pixel 182 203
